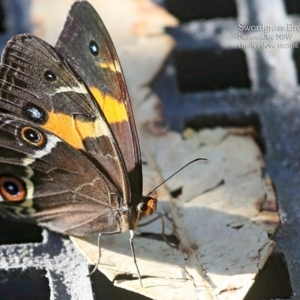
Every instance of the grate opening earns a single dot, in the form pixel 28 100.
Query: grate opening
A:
pixel 201 9
pixel 18 232
pixel 104 289
pixel 209 70
pixel 292 6
pixel 273 281
pixel 250 121
pixel 296 57
pixel 24 284
pixel 2 19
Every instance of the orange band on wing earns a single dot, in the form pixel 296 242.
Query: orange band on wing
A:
pixel 72 131
pixel 114 110
pixel 115 67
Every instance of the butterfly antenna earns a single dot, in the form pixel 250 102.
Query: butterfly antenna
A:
pixel 189 163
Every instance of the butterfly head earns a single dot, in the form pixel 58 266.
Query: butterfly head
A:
pixel 130 218
pixel 146 207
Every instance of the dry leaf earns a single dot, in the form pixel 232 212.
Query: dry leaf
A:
pixel 222 244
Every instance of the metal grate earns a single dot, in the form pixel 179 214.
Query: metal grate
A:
pixel 250 88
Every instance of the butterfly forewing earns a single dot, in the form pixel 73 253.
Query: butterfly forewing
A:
pixel 104 77
pixel 33 73
pixel 40 86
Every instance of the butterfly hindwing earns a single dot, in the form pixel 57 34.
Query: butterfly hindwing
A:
pixel 59 193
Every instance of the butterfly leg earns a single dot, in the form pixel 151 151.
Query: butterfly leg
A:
pixel 99 257
pixel 161 217
pixel 131 232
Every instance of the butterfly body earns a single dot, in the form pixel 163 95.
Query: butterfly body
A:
pixel 69 152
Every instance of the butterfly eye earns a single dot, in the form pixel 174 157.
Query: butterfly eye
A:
pixel 94 48
pixel 33 136
pixel 12 189
pixel 148 207
pixel 49 76
pixel 142 207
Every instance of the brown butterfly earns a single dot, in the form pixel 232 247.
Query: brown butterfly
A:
pixel 69 151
